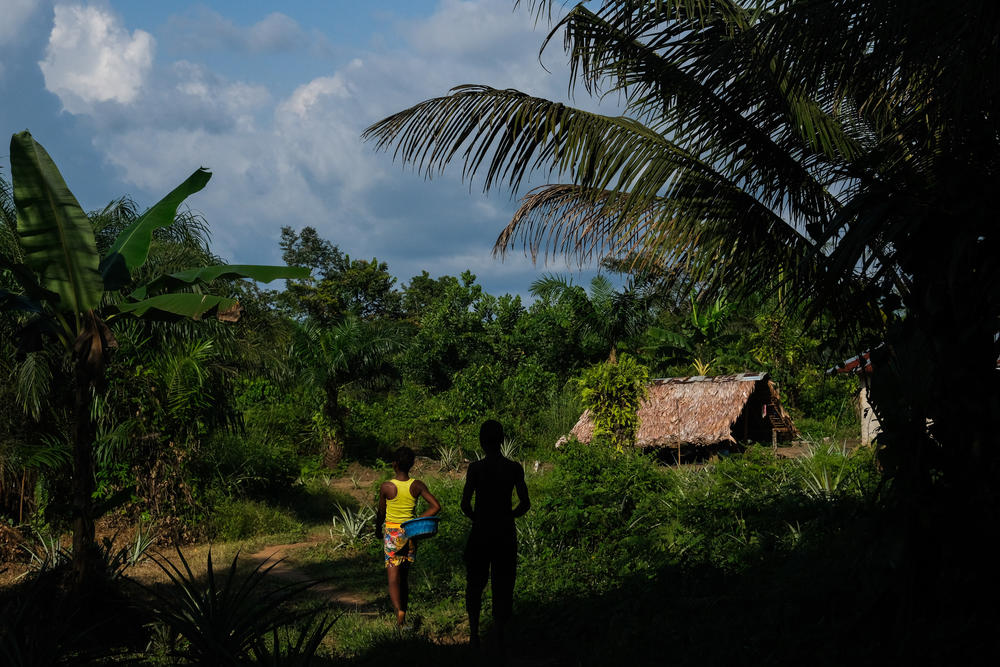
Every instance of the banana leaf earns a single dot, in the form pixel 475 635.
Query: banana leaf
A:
pixel 131 248
pixel 207 274
pixel 56 235
pixel 186 304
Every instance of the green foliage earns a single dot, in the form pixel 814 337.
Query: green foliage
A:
pixel 449 335
pixel 829 472
pixel 613 392
pixel 817 393
pixel 351 527
pixel 477 390
pixel 237 465
pixel 600 510
pixel 412 416
pixel 296 647
pixel 340 285
pixel 225 617
pixel 74 289
pixel 608 316
pixel 243 519
pixel 56 237
pixel 449 458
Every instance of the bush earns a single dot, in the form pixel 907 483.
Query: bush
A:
pixel 821 396
pixel 612 392
pixel 412 417
pixel 600 511
pixel 244 466
pixel 242 519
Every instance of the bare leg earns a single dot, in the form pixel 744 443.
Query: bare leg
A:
pixel 404 587
pixel 504 573
pixel 475 584
pixel 395 592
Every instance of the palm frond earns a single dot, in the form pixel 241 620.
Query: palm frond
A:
pixel 551 287
pixel 566 219
pixel 34 377
pixel 49 452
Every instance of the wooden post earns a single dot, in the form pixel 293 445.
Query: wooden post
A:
pixel 677 406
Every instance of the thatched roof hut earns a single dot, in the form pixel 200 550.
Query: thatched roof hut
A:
pixel 703 411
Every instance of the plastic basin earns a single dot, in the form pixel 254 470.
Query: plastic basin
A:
pixel 424 526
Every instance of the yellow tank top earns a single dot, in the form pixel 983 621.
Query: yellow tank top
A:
pixel 400 508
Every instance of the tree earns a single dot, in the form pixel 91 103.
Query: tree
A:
pixel 845 152
pixel 613 316
pixel 421 292
pixel 67 292
pixel 449 332
pixel 343 285
pixel 352 352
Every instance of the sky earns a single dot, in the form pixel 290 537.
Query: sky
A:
pixel 131 97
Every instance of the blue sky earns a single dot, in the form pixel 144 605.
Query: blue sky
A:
pixel 130 97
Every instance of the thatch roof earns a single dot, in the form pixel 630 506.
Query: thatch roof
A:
pixel 690 410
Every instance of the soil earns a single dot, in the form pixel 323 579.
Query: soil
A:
pixel 357 481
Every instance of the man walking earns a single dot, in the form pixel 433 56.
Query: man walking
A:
pixel 491 552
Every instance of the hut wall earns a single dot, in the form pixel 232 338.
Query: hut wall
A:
pixel 870 427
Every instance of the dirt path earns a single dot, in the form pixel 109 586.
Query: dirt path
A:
pixel 287 571
pixel 284 569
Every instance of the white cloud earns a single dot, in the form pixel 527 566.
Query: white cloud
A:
pixel 92 58
pixel 195 95
pixel 297 158
pixel 468 28
pixel 203 29
pixel 15 14
pixel 274 33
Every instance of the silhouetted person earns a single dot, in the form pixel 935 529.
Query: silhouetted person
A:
pixel 491 552
pixel 397 502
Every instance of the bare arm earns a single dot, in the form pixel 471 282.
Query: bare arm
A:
pixel 523 502
pixel 470 488
pixel 433 506
pixel 380 513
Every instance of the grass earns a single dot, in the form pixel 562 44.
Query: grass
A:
pixel 623 561
pixel 243 519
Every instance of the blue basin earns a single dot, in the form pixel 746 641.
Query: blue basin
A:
pixel 424 526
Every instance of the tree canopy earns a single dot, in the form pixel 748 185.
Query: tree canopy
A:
pixel 844 152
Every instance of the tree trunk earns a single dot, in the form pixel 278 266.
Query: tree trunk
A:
pixel 333 441
pixel 333 451
pixel 85 558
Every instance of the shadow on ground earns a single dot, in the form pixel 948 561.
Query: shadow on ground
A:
pixel 877 592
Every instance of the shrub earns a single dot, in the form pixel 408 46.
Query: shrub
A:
pixel 229 615
pixel 242 519
pixel 350 527
pixel 612 392
pixel 244 466
pixel 599 510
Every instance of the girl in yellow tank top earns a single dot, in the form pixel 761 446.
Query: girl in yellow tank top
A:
pixel 397 502
pixel 400 508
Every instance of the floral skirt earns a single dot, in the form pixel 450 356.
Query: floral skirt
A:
pixel 398 549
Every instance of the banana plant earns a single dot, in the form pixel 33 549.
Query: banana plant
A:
pixel 68 292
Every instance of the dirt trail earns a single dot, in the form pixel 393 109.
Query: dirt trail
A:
pixel 290 573
pixel 148 572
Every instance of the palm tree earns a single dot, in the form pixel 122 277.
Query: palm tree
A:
pixel 612 316
pixel 65 292
pixel 846 152
pixel 351 353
